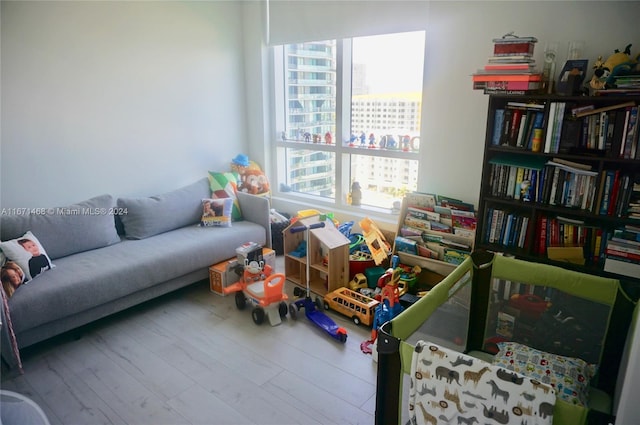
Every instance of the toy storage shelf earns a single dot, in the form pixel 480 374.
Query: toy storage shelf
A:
pixel 434 265
pixel 328 253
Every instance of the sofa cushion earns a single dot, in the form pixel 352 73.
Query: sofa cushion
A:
pixel 225 185
pixel 216 212
pixel 67 230
pixel 27 252
pixel 145 217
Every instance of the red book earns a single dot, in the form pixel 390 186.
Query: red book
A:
pixel 542 232
pixel 507 77
pixel 516 116
pixel 615 188
pixel 622 254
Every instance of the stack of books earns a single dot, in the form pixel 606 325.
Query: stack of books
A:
pixel 441 228
pixel 511 69
pixel 622 254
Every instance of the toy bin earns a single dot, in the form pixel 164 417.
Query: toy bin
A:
pixel 359 266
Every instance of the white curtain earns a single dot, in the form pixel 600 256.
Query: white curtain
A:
pixel 293 21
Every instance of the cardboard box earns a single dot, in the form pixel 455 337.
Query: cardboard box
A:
pixel 223 274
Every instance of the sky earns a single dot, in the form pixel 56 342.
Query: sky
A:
pixel 394 63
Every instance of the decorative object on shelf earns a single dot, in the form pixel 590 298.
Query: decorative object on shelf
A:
pixel 549 69
pixel 356 194
pixel 572 76
pixel 619 63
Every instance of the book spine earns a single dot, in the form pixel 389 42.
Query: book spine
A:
pixel 622 254
pixel 631 131
pixel 498 120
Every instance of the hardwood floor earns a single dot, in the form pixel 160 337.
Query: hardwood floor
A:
pixel 192 358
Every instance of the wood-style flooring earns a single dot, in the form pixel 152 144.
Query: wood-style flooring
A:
pixel 191 357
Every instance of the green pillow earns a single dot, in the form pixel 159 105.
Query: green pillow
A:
pixel 225 185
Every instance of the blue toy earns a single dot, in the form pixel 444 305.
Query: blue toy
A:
pixel 313 310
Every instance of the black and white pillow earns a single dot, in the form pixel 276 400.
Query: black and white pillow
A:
pixel 29 254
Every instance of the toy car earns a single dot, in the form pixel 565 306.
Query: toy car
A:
pixel 359 281
pixel 263 290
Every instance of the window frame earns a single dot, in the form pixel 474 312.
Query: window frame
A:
pixel 339 148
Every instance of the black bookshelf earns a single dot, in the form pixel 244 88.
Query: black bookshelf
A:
pixel 511 215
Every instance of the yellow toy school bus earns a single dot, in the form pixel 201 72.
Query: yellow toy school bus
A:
pixel 354 305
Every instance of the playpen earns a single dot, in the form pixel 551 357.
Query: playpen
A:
pixel 520 322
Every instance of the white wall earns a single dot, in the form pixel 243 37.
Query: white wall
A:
pixel 127 98
pixel 459 41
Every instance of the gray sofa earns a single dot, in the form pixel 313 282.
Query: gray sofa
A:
pixel 99 270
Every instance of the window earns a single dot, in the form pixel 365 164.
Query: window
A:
pixel 349 111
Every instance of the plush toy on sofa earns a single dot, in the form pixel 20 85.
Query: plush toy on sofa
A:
pixel 619 63
pixel 251 179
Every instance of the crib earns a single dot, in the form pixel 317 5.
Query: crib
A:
pixel 490 304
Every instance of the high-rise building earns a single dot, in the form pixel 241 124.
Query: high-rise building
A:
pixel 311 105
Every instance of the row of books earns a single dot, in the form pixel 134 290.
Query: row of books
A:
pixel 622 252
pixel 437 227
pixel 439 213
pixel 613 128
pixel 533 179
pixel 567 184
pixel 564 239
pixel 515 125
pixel 618 195
pixel 506 228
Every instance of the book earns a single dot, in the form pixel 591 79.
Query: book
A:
pixel 510 58
pixel 557 130
pixel 507 77
pixel 606 193
pixel 478 86
pixel 512 85
pixel 572 164
pixel 516 117
pixel 553 107
pixel 623 247
pixel 505 325
pixel 604 108
pixel 622 267
pixel 613 197
pixel 631 131
pixel 497 66
pixel 617 133
pixel 498 120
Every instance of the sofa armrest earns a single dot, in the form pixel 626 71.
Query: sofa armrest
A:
pixel 256 209
pixel 8 343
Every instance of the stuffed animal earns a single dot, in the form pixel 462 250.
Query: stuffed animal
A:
pixel 619 63
pixel 251 178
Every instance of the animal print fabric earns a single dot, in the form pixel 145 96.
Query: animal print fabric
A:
pixel 448 387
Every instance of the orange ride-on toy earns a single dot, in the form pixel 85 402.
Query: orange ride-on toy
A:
pixel 265 291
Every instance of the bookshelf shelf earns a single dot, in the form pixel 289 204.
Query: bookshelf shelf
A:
pixel 578 185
